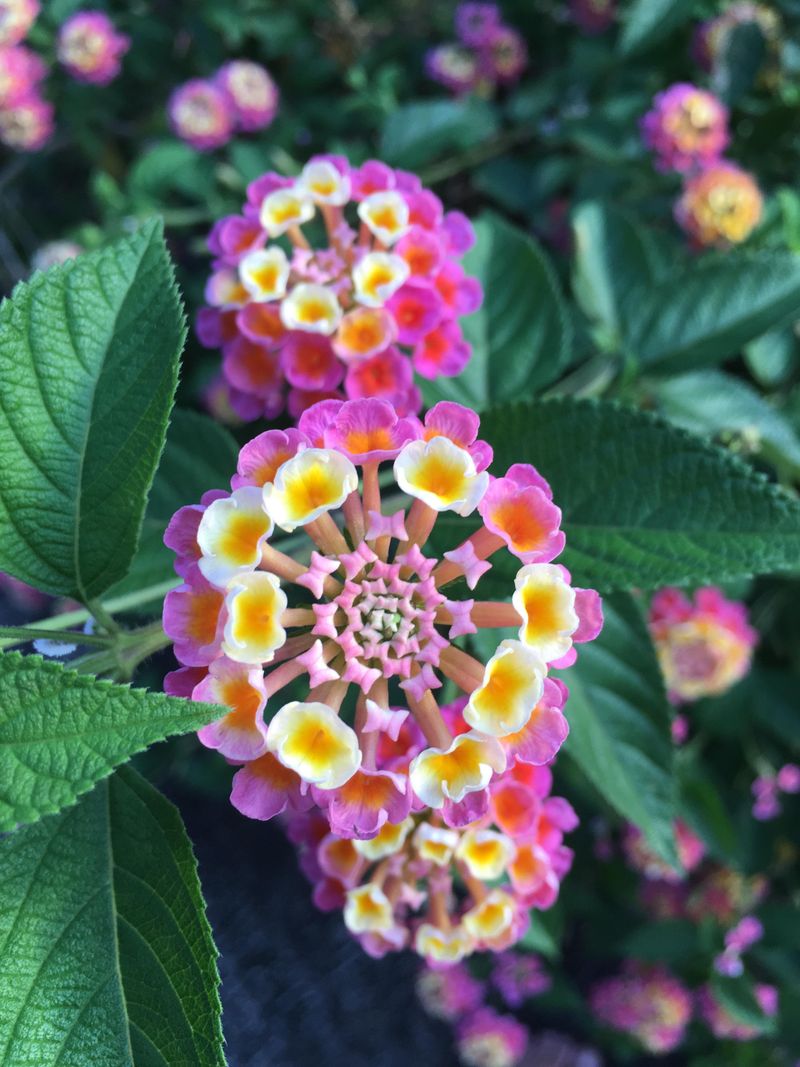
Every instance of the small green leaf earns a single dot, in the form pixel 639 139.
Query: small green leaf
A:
pixel 619 724
pixel 89 363
pixel 772 358
pixel 648 21
pixel 705 313
pixel 521 335
pixel 61 732
pixel 199 455
pixel 419 132
pixel 716 403
pixel 105 950
pixel 612 256
pixel 645 504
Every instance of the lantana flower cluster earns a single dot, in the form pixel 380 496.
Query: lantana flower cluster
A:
pixel 704 646
pixel 646 1001
pixel 487 52
pixel 687 131
pixel 643 858
pixel 88 47
pixel 420 805
pixel 207 112
pixel 343 281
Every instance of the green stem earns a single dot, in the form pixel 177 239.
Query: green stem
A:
pixel 103 617
pixel 121 603
pixel 20 635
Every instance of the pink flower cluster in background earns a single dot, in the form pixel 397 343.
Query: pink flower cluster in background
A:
pixel 724 1024
pixel 356 315
pixel 768 787
pixel 646 1001
pixel 89 49
pixel 642 857
pixel 704 646
pixel 207 112
pixel 593 16
pixel 487 52
pixel 737 941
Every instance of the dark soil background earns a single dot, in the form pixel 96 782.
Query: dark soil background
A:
pixel 297 991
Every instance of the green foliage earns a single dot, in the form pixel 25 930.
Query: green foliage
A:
pixel 712 402
pixel 106 953
pixel 644 503
pixel 647 21
pixel 61 732
pixel 521 335
pixel 419 132
pixel 89 361
pixel 620 725
pixel 199 455
pixel 704 313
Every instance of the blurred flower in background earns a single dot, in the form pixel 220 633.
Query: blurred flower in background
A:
pixel 647 1002
pixel 487 53
pixel 90 49
pixel 593 16
pixel 686 128
pixel 720 206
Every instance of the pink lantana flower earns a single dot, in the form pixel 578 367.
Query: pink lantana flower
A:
pixel 90 49
pixel 386 285
pixel 647 1002
pixel 364 623
pixel 704 646
pixel 686 128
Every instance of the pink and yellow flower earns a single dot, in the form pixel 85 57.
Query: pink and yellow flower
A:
pixel 16 18
pixel 686 128
pixel 365 614
pixel 720 206
pixel 27 125
pixel 202 114
pixel 486 1037
pixel 90 49
pixel 254 94
pixel 386 287
pixel 704 647
pixel 647 1002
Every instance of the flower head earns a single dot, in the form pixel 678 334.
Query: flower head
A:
pixel 90 48
pixel 486 1037
pixel 16 18
pixel 647 1002
pixel 686 128
pixel 519 976
pixel 361 622
pixel 720 206
pixel 28 125
pixel 21 70
pixel 202 114
pixel 641 856
pixel 254 94
pixel 704 646
pixel 448 993
pixel 385 290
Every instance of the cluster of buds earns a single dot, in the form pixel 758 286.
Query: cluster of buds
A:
pixel 720 206
pixel 686 128
pixel 207 112
pixel 455 795
pixel 647 1002
pixel 26 119
pixel 737 941
pixel 344 317
pixel 646 861
pixel 593 16
pixel 723 1024
pixel 710 39
pixel 768 787
pixel 487 52
pixel 90 49
pixel 704 646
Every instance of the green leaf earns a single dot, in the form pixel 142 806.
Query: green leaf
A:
pixel 612 256
pixel 89 363
pixel 648 21
pixel 645 504
pixel 419 132
pixel 619 722
pixel 772 358
pixel 736 995
pixel 105 950
pixel 61 732
pixel 671 941
pixel 716 403
pixel 521 335
pixel 743 51
pixel 705 313
pixel 199 455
